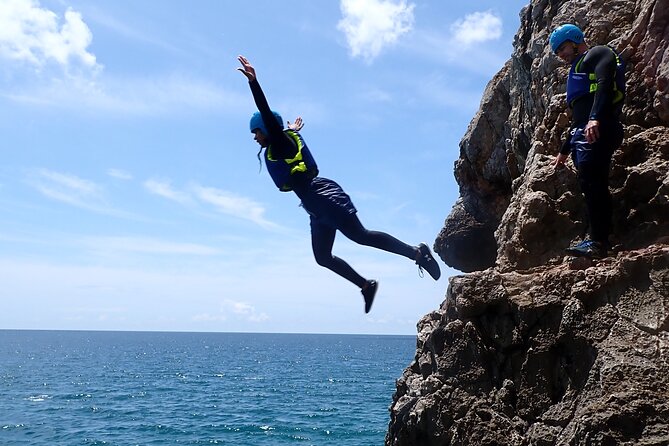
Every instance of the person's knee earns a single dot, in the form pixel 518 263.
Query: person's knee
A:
pixel 324 259
pixel 358 234
pixel 360 237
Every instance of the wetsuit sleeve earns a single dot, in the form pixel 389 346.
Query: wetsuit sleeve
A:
pixel 602 61
pixel 282 145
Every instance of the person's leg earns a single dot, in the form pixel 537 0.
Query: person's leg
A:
pixel 352 228
pixel 592 161
pixel 593 174
pixel 322 240
pixel 594 179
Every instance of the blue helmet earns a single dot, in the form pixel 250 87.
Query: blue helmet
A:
pixel 257 122
pixel 563 33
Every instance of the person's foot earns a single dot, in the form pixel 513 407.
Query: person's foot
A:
pixel 588 248
pixel 368 292
pixel 426 262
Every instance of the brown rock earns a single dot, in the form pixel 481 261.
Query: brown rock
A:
pixel 505 154
pixel 530 347
pixel 548 356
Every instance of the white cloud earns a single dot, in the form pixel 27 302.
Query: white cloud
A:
pixel 32 34
pixel 233 310
pixel 208 317
pixel 66 188
pixel 34 37
pixel 119 174
pixel 131 96
pixel 73 190
pixel 477 27
pixel 244 310
pixel 444 49
pixel 164 189
pixel 222 201
pixel 143 245
pixel 232 204
pixel 371 25
pixel 375 94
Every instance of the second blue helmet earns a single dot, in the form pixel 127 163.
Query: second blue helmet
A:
pixel 563 33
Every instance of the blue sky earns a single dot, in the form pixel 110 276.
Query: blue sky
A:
pixel 130 189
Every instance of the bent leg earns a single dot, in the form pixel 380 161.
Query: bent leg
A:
pixel 322 239
pixel 352 228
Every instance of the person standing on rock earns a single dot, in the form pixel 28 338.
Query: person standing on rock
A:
pixel 595 93
pixel 293 168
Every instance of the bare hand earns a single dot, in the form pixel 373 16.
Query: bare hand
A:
pixel 297 125
pixel 591 131
pixel 560 160
pixel 247 69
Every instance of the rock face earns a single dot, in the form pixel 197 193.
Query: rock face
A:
pixel 531 347
pixel 522 122
pixel 576 353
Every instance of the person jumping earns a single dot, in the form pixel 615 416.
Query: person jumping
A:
pixel 293 168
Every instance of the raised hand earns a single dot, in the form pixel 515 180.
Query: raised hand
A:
pixel 247 69
pixel 297 125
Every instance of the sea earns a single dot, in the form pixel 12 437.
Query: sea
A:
pixel 163 388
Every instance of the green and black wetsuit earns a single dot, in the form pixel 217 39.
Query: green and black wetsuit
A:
pixel 595 91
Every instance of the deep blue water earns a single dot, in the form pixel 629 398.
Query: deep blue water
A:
pixel 142 388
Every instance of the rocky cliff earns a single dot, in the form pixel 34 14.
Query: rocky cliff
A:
pixel 531 347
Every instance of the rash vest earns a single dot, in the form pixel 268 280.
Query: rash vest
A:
pixel 581 84
pixel 285 172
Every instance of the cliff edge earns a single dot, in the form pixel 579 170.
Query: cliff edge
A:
pixel 531 347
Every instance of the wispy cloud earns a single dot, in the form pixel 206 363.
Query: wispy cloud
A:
pixel 231 309
pixel 73 190
pixel 100 17
pixel 67 188
pixel 477 27
pixel 222 201
pixel 232 204
pixel 460 46
pixel 37 36
pixel 170 94
pixel 144 245
pixel 438 89
pixel 244 310
pixel 163 188
pixel 119 174
pixel 53 67
pixel 372 25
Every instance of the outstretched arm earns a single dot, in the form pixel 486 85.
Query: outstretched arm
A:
pixel 274 128
pixel 282 145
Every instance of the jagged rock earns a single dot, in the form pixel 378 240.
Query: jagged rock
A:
pixel 522 117
pixel 560 354
pixel 470 243
pixel 467 241
pixel 532 347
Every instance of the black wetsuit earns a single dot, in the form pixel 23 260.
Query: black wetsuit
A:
pixel 329 207
pixel 593 160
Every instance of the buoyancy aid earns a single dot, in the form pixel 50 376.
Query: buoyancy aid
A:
pixel 581 84
pixel 284 172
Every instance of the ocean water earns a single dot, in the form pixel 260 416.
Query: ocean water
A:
pixel 142 388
